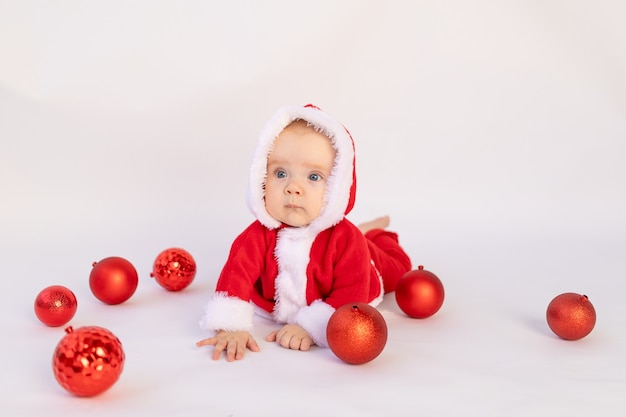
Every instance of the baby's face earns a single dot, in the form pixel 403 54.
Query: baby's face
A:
pixel 298 168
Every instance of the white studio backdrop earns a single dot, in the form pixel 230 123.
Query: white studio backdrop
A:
pixel 493 133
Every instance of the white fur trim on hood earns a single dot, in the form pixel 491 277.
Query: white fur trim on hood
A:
pixel 339 197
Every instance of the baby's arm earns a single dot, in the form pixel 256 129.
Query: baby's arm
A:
pixel 234 343
pixel 291 336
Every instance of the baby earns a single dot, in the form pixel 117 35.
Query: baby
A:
pixel 301 259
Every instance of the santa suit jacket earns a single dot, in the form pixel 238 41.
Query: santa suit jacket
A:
pixel 297 274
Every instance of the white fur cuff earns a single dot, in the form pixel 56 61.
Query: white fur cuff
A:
pixel 314 319
pixel 227 313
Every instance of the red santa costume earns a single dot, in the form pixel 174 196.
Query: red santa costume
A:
pixel 302 274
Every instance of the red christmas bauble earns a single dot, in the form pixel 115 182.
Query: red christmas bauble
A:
pixel 356 333
pixel 55 305
pixel 88 360
pixel 174 269
pixel 571 316
pixel 113 280
pixel 419 293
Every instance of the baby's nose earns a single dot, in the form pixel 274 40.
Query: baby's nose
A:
pixel 293 188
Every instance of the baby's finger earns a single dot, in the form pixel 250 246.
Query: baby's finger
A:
pixel 305 344
pixel 241 351
pixel 253 345
pixel 295 343
pixel 285 340
pixel 232 351
pixel 219 347
pixel 206 342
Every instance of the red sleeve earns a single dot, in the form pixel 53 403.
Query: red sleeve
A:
pixel 245 263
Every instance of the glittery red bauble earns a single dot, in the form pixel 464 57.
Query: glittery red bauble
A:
pixel 571 316
pixel 88 360
pixel 419 293
pixel 113 280
pixel 55 305
pixel 356 333
pixel 174 269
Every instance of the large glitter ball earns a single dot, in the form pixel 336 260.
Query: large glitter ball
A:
pixel 571 316
pixel 88 360
pixel 356 333
pixel 174 269
pixel 55 305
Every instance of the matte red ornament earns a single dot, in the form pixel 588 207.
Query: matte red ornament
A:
pixel 356 333
pixel 113 280
pixel 571 316
pixel 55 305
pixel 88 360
pixel 174 269
pixel 419 293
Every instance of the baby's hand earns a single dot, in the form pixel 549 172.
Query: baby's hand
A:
pixel 234 343
pixel 291 336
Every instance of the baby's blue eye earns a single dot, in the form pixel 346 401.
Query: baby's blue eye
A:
pixel 281 174
pixel 315 177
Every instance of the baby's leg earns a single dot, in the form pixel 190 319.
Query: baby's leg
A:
pixel 377 223
pixel 390 259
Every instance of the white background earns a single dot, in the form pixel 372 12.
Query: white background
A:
pixel 492 132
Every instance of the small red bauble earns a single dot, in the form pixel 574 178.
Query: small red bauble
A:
pixel 571 316
pixel 419 293
pixel 55 305
pixel 88 360
pixel 174 269
pixel 356 333
pixel 113 280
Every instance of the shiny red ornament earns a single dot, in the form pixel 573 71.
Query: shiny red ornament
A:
pixel 55 305
pixel 113 280
pixel 356 333
pixel 88 360
pixel 174 269
pixel 419 293
pixel 571 316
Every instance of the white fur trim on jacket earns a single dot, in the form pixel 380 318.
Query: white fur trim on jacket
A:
pixel 341 179
pixel 227 313
pixel 293 247
pixel 314 319
pixel 379 298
